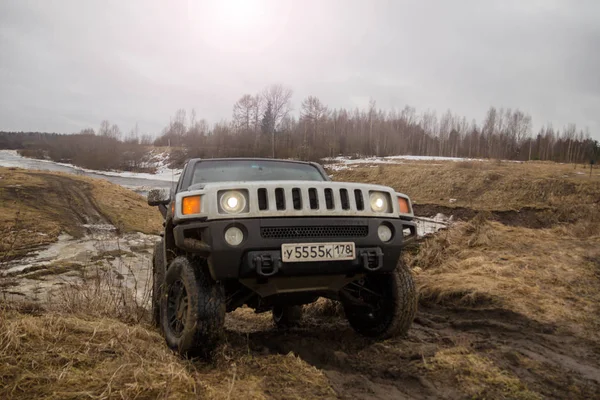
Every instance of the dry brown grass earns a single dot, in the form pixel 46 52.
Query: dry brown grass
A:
pixel 90 340
pixel 485 185
pixel 544 274
pixel 477 376
pixel 61 356
pixel 125 209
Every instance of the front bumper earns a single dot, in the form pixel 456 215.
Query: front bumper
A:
pixel 259 256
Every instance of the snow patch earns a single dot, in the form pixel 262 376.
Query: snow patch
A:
pixel 429 226
pixel 342 163
pixel 100 227
pixel 164 173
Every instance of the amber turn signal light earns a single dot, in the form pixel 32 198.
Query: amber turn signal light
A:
pixel 403 205
pixel 190 205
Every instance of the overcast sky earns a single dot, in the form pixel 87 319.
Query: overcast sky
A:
pixel 66 65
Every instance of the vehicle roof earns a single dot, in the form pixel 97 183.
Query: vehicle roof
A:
pixel 248 159
pixel 190 165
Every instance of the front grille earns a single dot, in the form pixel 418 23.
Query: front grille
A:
pixel 314 232
pixel 312 198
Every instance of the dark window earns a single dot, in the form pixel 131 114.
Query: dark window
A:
pixel 297 199
pixel 280 199
pixel 253 170
pixel 329 199
pixel 262 199
pixel 358 196
pixel 313 198
pixel 344 199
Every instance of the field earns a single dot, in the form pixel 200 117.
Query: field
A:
pixel 509 303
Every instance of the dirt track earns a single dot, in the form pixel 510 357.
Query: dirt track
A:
pixel 80 210
pixel 548 363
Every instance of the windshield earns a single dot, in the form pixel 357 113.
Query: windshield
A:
pixel 254 170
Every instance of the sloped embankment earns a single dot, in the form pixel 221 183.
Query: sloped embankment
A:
pixel 533 195
pixel 36 206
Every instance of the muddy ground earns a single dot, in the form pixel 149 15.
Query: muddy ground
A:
pixel 465 343
pixel 459 349
pixel 451 352
pixel 448 354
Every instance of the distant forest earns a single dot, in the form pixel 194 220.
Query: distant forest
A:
pixel 262 125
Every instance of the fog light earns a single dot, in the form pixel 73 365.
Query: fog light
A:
pixel 385 233
pixel 234 236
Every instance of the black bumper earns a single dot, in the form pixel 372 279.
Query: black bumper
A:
pixel 260 256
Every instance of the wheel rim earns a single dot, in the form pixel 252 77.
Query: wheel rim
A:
pixel 177 308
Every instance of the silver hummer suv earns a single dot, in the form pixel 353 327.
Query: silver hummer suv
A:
pixel 275 235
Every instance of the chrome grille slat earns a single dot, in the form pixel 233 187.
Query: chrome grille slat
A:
pixel 288 199
pixel 351 201
pixel 321 197
pixel 271 206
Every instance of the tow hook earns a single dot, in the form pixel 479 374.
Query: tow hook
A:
pixel 266 266
pixel 372 260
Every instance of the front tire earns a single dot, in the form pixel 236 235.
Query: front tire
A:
pixel 389 304
pixel 192 309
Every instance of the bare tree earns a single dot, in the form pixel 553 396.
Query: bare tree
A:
pixel 114 132
pixel 104 129
pixel 243 113
pixel 87 131
pixel 313 113
pixel 133 137
pixel 280 99
pixel 146 140
pixel 192 117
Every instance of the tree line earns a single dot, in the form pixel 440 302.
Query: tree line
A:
pixel 264 125
pixel 105 149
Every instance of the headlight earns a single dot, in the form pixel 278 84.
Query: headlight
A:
pixel 233 202
pixel 379 202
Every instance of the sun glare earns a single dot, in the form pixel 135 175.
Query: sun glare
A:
pixel 238 13
pixel 238 25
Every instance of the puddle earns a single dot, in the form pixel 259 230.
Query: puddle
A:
pixel 128 258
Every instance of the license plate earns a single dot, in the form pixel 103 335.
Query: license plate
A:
pixel 306 252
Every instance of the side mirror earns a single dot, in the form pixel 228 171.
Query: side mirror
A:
pixel 157 197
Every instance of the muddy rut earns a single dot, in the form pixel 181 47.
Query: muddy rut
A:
pixel 548 363
pixel 72 204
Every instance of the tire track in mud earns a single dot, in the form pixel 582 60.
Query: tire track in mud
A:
pixel 551 364
pixel 79 201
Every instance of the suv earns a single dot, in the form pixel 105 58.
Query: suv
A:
pixel 275 235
